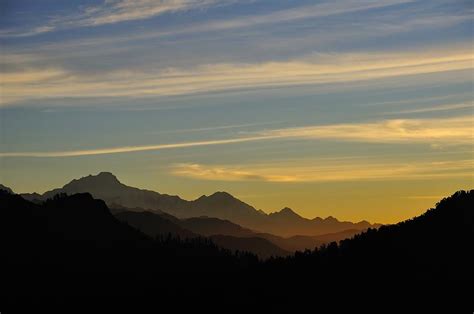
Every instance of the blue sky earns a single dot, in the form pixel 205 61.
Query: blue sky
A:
pixel 280 103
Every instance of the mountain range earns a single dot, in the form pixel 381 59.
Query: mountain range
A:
pixel 227 234
pixel 73 246
pixel 222 205
pixel 227 221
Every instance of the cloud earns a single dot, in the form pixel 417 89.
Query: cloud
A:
pixel 445 107
pixel 324 171
pixel 448 131
pixel 220 127
pixel 116 11
pixel 323 9
pixel 222 173
pixel 321 69
pixel 386 22
pixel 457 130
pixel 32 77
pixel 32 32
pixel 129 149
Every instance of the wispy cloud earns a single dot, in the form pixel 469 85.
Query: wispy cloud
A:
pixel 316 70
pixel 326 171
pixel 448 131
pixel 219 127
pixel 225 173
pixel 387 23
pixel 445 107
pixel 129 149
pixel 322 9
pixel 115 11
pixel 457 130
pixel 32 32
pixel 32 77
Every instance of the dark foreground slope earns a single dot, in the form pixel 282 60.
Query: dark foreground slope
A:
pixel 71 249
pixel 436 246
pixel 72 246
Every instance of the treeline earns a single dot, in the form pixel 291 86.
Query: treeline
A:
pixel 437 245
pixel 73 246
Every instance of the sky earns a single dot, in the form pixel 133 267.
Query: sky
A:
pixel 352 109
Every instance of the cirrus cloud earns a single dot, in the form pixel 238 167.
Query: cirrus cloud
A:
pixel 445 131
pixel 457 130
pixel 113 11
pixel 116 11
pixel 324 171
pixel 38 83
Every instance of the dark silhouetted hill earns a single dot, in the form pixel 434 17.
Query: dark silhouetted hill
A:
pixel 76 218
pixel 154 224
pixel 75 242
pixel 436 246
pixel 208 226
pixel 301 243
pixel 256 245
pixel 5 188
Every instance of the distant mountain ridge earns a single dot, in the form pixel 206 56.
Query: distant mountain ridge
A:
pixel 226 233
pixel 220 205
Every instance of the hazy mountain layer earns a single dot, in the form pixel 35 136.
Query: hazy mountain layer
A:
pixel 220 205
pixel 227 234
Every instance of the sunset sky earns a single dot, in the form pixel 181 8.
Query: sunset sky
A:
pixel 354 109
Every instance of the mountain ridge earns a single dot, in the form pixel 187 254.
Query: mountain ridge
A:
pixel 232 236
pixel 222 205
